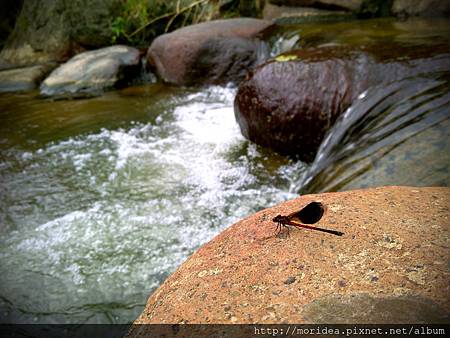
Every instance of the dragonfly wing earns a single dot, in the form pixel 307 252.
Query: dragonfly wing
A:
pixel 310 214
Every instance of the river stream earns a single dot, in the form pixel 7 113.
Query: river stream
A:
pixel 102 198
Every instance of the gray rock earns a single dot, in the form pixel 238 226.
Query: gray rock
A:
pixel 90 73
pixel 20 79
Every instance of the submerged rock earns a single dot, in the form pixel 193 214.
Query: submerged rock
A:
pixel 209 52
pixel 90 73
pixel 390 265
pixel 289 103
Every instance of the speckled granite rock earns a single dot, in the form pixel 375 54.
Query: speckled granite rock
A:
pixel 391 265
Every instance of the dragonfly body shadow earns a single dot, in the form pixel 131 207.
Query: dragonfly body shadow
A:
pixel 310 214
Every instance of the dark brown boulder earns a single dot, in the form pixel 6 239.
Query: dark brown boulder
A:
pixel 288 104
pixel 209 52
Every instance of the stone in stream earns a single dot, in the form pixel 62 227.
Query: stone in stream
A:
pixel 391 266
pixel 25 78
pixel 90 73
pixel 211 52
pixel 290 102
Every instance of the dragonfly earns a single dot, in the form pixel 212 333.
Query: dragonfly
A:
pixel 310 214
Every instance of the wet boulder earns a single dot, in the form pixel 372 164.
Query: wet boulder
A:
pixel 289 103
pixel 210 52
pixel 90 73
pixel 390 266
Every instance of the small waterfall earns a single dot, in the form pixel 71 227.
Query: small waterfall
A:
pixel 378 123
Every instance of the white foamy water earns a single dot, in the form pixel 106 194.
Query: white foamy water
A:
pixel 96 222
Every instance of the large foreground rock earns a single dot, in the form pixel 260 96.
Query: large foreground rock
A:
pixel 209 52
pixel 289 103
pixel 90 73
pixel 390 266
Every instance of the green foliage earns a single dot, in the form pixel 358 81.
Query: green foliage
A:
pixel 118 28
pixel 140 21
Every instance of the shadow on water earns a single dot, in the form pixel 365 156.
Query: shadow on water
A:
pixel 394 133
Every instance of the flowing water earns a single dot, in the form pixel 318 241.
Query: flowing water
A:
pixel 101 199
pixel 393 134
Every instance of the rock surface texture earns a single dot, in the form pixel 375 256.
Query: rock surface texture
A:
pixel 390 266
pixel 91 72
pixel 209 52
pixel 53 30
